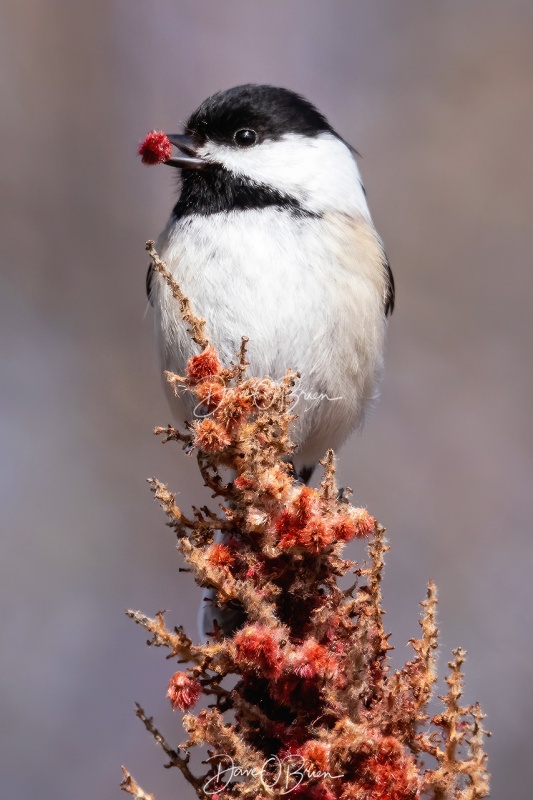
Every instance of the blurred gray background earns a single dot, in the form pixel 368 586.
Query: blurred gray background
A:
pixel 437 96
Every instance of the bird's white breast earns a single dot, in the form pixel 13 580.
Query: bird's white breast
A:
pixel 307 292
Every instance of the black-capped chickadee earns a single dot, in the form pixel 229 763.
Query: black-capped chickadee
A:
pixel 271 238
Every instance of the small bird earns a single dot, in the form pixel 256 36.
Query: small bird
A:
pixel 271 238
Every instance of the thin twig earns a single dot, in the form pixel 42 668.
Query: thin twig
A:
pixel 175 760
pixel 129 785
pixel 196 324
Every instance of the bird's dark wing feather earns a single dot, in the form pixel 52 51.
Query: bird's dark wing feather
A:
pixel 390 291
pixel 149 283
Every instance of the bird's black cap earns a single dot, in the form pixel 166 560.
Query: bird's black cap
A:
pixel 268 110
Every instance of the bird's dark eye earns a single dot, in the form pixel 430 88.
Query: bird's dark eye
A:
pixel 245 137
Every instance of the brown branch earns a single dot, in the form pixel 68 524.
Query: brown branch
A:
pixel 129 785
pixel 208 727
pixel 177 642
pixel 184 526
pixel 175 760
pixel 305 646
pixel 443 779
pixel 196 324
pixel 476 766
pixel 213 481
pixel 328 484
pixel 172 435
pixel 174 513
pixel 242 363
pixel 425 648
pixel 377 549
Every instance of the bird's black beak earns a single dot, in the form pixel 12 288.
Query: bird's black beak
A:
pixel 188 159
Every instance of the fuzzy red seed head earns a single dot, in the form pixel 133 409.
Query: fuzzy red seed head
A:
pixel 155 148
pixel 354 524
pixel 343 528
pixel 220 555
pixel 315 536
pixel 205 365
pixel 233 408
pixel 275 481
pixel 243 482
pixel 386 773
pixel 364 523
pixel 291 524
pixel 306 504
pixel 210 436
pixel 209 393
pixel 183 692
pixel 287 528
pixel 314 659
pixel 260 393
pixel 315 754
pixel 257 647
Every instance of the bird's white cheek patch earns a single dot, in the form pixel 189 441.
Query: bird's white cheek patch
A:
pixel 318 171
